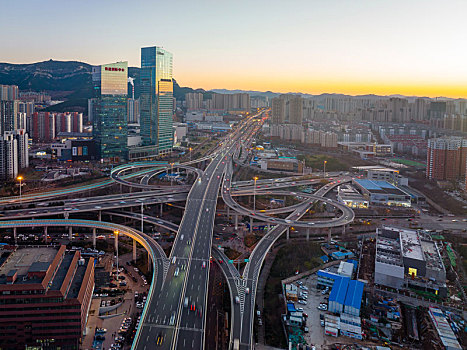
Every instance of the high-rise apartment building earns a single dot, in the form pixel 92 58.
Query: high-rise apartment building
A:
pixel 109 110
pixel 156 98
pixel 194 101
pixel 13 136
pixel 446 158
pixel 287 109
pixel 9 92
pixel 277 110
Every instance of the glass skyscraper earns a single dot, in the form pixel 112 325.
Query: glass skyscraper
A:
pixel 109 110
pixel 156 98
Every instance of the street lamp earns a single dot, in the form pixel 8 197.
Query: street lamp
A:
pixel 20 179
pixel 142 217
pixel 325 168
pixel 116 249
pixel 254 194
pixel 171 173
pixel 190 149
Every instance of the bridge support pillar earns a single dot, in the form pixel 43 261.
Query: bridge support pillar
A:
pixel 162 207
pixel 70 233
pixel 14 236
pixel 134 250
pixel 94 234
pixel 269 227
pixel 343 230
pixel 287 233
pixel 45 234
pixel 236 222
pixel 228 213
pixel 251 224
pixel 99 217
pixel 329 234
pixel 308 234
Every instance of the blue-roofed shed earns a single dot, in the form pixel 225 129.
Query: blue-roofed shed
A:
pixel 353 300
pixel 291 307
pixel 338 293
pixel 324 258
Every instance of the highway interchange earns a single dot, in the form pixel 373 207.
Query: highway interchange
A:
pixel 174 315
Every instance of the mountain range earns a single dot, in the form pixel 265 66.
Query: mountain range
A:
pixel 69 81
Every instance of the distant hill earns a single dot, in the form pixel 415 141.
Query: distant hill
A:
pixel 66 80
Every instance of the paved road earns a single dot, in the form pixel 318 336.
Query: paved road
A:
pixel 165 315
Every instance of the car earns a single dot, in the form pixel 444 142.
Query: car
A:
pixel 207 209
pixel 247 290
pixel 300 309
pixel 185 303
pixel 160 339
pixel 177 271
pixel 172 320
pixel 204 265
pixel 302 302
pixel 192 307
pixel 237 300
pixel 322 323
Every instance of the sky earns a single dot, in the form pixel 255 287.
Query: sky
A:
pixel 407 47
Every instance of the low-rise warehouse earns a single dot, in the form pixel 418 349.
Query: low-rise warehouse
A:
pixel 382 193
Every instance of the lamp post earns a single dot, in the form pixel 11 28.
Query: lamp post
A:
pixel 142 217
pixel 325 168
pixel 171 173
pixel 190 149
pixel 116 249
pixel 20 179
pixel 254 194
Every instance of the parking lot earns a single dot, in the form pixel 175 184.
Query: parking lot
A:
pixel 315 335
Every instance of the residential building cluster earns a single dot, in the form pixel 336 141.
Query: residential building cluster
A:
pixel 45 127
pixel 14 151
pixel 293 132
pixel 230 103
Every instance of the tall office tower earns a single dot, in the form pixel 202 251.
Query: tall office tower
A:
pixel 194 101
pixel 9 92
pixel 8 155
pixel 295 109
pixel 446 158
pixel 156 98
pixel 277 110
pixel 109 110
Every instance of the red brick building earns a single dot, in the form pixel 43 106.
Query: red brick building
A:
pixel 45 295
pixel 446 158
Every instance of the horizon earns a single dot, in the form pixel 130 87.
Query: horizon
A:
pixel 306 46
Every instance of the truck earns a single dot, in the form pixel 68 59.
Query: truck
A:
pixel 236 344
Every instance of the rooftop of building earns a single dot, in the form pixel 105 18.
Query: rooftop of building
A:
pixel 379 187
pixel 410 245
pixel 354 294
pixel 431 254
pixel 339 290
pixel 26 260
pixel 388 251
